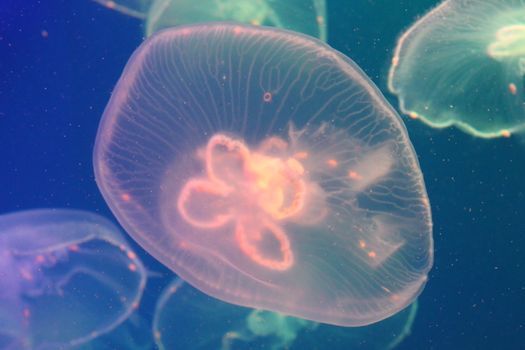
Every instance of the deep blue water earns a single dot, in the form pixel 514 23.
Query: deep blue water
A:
pixel 59 61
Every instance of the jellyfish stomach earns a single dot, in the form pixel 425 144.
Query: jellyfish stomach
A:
pixel 268 180
pixel 276 186
pixel 258 192
pixel 509 43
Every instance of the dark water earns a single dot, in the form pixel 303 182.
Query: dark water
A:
pixel 59 61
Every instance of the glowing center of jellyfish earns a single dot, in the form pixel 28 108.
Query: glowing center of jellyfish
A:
pixel 510 42
pixel 256 190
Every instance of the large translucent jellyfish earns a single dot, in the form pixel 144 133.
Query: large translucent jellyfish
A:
pixel 305 16
pixel 65 278
pixel 209 324
pixel 463 64
pixel 265 168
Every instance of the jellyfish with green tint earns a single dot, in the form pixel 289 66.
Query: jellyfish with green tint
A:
pixel 305 16
pixel 463 64
pixel 66 277
pixel 209 324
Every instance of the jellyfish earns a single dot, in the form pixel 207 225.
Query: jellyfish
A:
pixel 211 324
pixel 67 277
pixel 305 16
pixel 265 169
pixel 463 65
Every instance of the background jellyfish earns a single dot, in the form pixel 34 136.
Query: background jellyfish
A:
pixel 211 324
pixel 66 277
pixel 266 170
pixel 305 16
pixel 463 64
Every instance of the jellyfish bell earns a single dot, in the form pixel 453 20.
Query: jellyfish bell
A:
pixel 69 276
pixel 462 65
pixel 166 13
pixel 305 16
pixel 309 202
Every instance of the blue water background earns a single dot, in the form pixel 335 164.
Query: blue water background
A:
pixel 54 87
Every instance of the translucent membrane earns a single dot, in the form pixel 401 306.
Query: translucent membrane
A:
pixel 305 16
pixel 265 169
pixel 66 277
pixel 188 319
pixel 463 64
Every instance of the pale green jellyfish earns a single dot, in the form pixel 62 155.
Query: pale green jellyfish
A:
pixel 305 16
pixel 186 318
pixel 463 64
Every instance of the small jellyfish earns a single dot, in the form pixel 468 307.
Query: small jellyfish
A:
pixel 305 16
pixel 209 324
pixel 265 169
pixel 66 277
pixel 463 65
